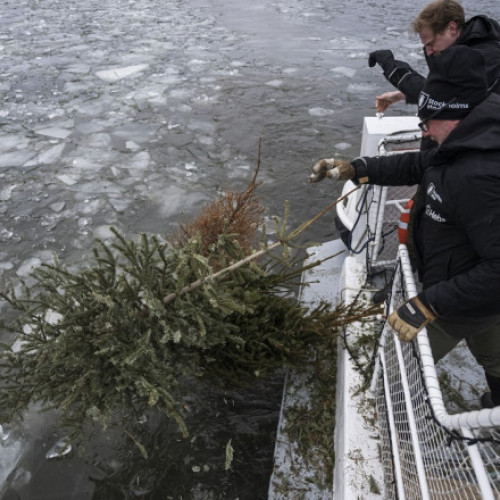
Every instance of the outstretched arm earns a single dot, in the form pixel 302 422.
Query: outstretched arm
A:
pixel 405 169
pixel 387 99
pixel 399 73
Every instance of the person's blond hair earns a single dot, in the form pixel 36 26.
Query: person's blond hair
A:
pixel 437 15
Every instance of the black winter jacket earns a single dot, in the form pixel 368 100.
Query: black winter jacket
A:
pixel 480 32
pixel 457 219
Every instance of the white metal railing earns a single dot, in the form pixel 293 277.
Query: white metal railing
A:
pixel 428 453
pixel 391 202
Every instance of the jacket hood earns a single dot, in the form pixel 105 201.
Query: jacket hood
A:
pixel 479 130
pixel 479 29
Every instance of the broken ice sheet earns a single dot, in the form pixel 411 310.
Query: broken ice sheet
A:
pixel 55 132
pixel 6 192
pixel 10 142
pixel 115 74
pixel 16 158
pixel 27 266
pixel 342 70
pixel 320 112
pixel 137 132
pixel 47 157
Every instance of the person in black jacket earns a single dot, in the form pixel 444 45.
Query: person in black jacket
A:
pixel 457 218
pixel 439 25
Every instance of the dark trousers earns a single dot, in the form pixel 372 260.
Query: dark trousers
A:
pixel 484 346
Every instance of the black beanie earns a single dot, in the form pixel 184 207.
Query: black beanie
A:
pixel 455 85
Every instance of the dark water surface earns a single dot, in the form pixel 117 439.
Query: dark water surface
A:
pixel 134 114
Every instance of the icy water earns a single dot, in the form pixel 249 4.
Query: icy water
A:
pixel 136 113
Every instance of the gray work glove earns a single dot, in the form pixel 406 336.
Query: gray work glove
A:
pixel 333 169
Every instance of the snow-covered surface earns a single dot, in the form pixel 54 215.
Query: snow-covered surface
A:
pixel 357 461
pixel 289 467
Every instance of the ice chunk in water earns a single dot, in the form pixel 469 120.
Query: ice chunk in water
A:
pixel 104 233
pixel 275 83
pixel 6 192
pixel 149 97
pixel 90 126
pixel 5 234
pixel 57 206
pixel 11 142
pixel 342 145
pixel 79 69
pixel 70 180
pixel 115 74
pixel 133 146
pixel 27 266
pixel 206 140
pixel 136 132
pixel 181 93
pixel 320 112
pixel 90 206
pixel 204 126
pixel 139 161
pixel 175 200
pixel 47 157
pixel 7 266
pixel 16 158
pixel 53 317
pixel 93 107
pixel 120 203
pixel 51 155
pixel 99 141
pixel 349 72
pixel 360 87
pixel 61 449
pixel 56 132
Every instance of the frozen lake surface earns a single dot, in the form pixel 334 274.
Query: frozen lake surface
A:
pixel 134 114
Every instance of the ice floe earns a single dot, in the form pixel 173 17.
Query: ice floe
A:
pixel 115 74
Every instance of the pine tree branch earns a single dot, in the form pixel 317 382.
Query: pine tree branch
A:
pixel 285 239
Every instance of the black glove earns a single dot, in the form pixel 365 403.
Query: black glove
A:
pixel 380 57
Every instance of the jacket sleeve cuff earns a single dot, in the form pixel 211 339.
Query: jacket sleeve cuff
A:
pixel 361 169
pixel 429 303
